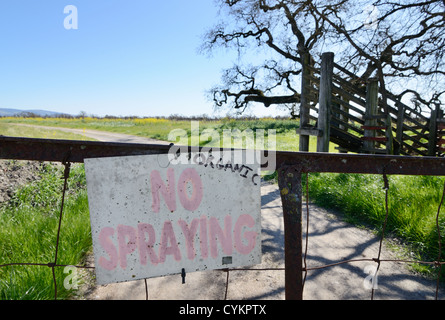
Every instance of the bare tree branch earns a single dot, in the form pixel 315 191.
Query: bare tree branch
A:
pixel 405 41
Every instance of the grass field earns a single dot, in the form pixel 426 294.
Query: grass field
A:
pixel 157 128
pixel 11 130
pixel 28 230
pixel 413 202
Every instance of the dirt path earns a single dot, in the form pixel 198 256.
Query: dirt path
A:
pixel 101 135
pixel 330 240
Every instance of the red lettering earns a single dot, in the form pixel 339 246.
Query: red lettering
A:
pixel 224 237
pixel 168 236
pixel 125 247
pixel 188 177
pixel 107 244
pixel 190 203
pixel 204 246
pixel 189 234
pixel 223 240
pixel 250 236
pixel 146 247
pixel 168 192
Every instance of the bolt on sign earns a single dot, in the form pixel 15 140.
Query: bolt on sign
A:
pixel 150 218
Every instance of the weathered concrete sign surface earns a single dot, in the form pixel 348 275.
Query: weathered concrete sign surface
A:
pixel 151 218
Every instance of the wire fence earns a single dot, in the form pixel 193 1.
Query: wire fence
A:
pixel 429 166
pixel 438 263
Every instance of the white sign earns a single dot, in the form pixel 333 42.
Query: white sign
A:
pixel 151 218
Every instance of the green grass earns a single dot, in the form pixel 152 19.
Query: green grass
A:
pixel 413 203
pixel 150 128
pixel 28 232
pixel 11 130
pixel 287 139
pixel 156 128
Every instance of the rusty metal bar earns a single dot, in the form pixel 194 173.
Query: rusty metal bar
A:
pixel 77 151
pixel 289 180
pixel 363 163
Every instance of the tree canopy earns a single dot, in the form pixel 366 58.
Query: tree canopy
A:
pixel 400 42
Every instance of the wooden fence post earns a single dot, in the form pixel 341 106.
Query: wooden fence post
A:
pixel 372 94
pixel 325 101
pixel 343 117
pixel 399 133
pixel 305 102
pixel 432 137
pixel 388 135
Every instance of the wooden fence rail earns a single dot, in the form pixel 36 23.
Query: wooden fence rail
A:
pixel 351 113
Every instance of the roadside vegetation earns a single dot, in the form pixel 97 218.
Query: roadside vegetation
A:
pixel 28 232
pixel 28 221
pixel 10 130
pixel 159 128
pixel 413 202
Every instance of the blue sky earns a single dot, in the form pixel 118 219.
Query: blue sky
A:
pixel 137 57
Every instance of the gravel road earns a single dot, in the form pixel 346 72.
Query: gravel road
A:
pixel 101 135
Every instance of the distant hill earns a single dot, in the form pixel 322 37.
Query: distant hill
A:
pixel 5 112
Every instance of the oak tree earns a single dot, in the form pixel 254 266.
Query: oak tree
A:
pixel 400 42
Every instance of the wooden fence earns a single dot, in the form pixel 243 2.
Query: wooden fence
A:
pixel 353 114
